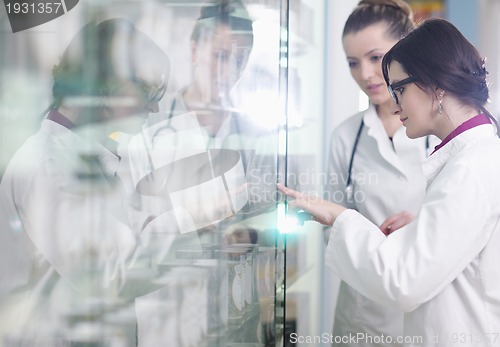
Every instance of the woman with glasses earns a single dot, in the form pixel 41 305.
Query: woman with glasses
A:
pixel 441 269
pixel 372 161
pixel 221 41
pixel 67 246
pixel 220 45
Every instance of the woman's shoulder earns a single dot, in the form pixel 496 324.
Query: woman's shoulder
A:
pixel 348 128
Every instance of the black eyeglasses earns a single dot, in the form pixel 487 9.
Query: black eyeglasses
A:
pixel 396 85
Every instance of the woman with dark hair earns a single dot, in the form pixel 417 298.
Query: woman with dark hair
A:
pixel 66 241
pixel 441 269
pixel 110 71
pixel 372 160
pixel 220 42
pixel 220 45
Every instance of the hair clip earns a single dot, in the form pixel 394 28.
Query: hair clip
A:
pixel 482 72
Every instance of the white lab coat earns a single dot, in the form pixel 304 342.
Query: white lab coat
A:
pixel 387 178
pixel 66 248
pixel 441 269
pixel 256 145
pixel 176 134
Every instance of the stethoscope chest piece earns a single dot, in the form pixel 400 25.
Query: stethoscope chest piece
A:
pixel 349 193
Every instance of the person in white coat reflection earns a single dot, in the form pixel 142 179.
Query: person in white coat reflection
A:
pixel 203 115
pixel 372 160
pixel 66 245
pixel 201 118
pixel 442 268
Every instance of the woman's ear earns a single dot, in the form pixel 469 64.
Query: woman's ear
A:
pixel 439 93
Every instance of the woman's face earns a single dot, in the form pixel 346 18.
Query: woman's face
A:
pixel 415 106
pixel 364 52
pixel 219 62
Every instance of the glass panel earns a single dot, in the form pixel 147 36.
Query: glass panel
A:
pixel 139 160
pixel 304 244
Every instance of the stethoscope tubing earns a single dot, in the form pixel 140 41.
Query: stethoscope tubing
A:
pixel 349 190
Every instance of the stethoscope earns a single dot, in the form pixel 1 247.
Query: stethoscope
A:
pixel 170 127
pixel 167 126
pixel 349 189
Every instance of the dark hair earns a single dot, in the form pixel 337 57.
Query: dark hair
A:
pixel 103 54
pixel 252 233
pixel 228 12
pixel 439 56
pixel 397 14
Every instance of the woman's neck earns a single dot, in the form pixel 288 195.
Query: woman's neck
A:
pixel 90 131
pixel 69 113
pixel 210 115
pixel 447 121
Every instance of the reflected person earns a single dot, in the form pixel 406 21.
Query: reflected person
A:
pixel 221 43
pixel 67 247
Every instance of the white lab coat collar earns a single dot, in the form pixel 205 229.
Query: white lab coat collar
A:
pixel 210 141
pixel 376 130
pixel 74 143
pixel 434 164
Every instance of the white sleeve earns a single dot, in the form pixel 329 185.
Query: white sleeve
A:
pixel 82 232
pixel 417 262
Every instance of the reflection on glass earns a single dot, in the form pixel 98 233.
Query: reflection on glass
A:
pixel 132 210
pixel 71 258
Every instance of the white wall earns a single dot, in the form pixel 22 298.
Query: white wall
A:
pixel 489 47
pixel 342 101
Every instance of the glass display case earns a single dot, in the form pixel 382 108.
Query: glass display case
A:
pixel 139 159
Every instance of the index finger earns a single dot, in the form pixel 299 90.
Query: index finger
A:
pixel 387 223
pixel 390 220
pixel 287 191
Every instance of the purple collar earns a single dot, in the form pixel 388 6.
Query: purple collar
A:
pixel 480 119
pixel 57 117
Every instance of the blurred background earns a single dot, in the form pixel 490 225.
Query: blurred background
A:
pixel 296 87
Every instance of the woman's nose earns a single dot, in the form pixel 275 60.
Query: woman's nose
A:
pixel 395 108
pixel 367 71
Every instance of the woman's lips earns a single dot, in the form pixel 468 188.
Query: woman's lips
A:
pixel 373 88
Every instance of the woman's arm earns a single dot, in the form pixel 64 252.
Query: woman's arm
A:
pixel 415 264
pixel 323 211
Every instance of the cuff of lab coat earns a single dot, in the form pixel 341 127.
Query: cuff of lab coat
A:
pixel 343 219
pixel 351 221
